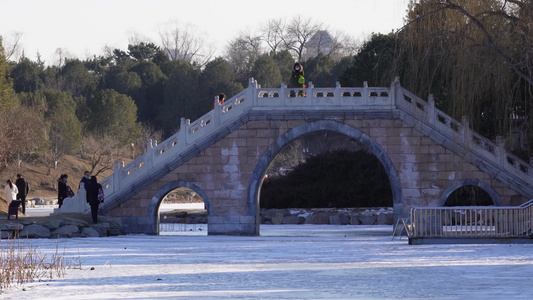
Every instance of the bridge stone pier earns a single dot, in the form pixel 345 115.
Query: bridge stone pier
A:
pixel 224 155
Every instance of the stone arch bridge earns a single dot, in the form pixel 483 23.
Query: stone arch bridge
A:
pixel 224 155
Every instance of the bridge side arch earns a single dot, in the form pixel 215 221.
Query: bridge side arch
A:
pixel 153 207
pixel 470 181
pixel 291 135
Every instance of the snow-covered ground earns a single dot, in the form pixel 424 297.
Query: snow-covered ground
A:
pixel 44 210
pixel 40 210
pixel 285 262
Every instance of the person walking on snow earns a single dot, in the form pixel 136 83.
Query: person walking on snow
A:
pixel 92 189
pixel 23 188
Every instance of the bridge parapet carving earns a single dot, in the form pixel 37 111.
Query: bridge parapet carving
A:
pixel 420 114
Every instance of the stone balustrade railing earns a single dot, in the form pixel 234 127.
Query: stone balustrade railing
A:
pixel 421 114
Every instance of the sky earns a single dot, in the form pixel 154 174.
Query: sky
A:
pixel 84 28
pixel 285 262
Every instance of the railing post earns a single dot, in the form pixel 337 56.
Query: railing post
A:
pixel 309 94
pixel 116 177
pixel 501 150
pixel 283 94
pixel 337 93
pixel 82 193
pixel 396 91
pixel 217 112
pixel 149 155
pixel 182 134
pixel 467 134
pixel 252 93
pixel 431 109
pixel 365 92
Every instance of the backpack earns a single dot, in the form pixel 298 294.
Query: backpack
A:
pixel 70 193
pixel 100 194
pixel 301 79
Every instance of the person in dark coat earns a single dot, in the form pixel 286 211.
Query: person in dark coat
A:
pixel 62 189
pixel 92 189
pixel 23 188
pixel 297 79
pixel 85 179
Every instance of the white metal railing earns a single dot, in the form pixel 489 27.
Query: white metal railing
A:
pixel 346 99
pixel 472 221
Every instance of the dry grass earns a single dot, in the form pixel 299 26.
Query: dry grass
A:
pixel 22 263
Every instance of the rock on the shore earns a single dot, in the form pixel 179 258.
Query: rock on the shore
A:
pixel 275 216
pixel 71 225
pixel 34 231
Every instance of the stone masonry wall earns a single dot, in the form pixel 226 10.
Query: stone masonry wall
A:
pixel 223 170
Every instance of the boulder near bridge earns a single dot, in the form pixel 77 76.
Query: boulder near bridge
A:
pixel 224 155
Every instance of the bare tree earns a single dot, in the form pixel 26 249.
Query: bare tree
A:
pixel 102 151
pixel 184 43
pixel 19 138
pixel 288 158
pixel 298 32
pixel 272 33
pixel 137 38
pixel 241 54
pixel 12 48
pixel 149 132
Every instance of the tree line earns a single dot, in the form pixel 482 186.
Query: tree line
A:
pixel 473 56
pixel 108 106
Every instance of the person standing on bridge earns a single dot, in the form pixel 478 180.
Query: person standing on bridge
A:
pixel 93 188
pixel 221 98
pixel 297 79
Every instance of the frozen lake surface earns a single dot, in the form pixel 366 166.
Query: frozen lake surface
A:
pixel 285 262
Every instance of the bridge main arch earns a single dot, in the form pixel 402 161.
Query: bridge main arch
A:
pixel 313 126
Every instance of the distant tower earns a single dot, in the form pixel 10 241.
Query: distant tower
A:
pixel 321 41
